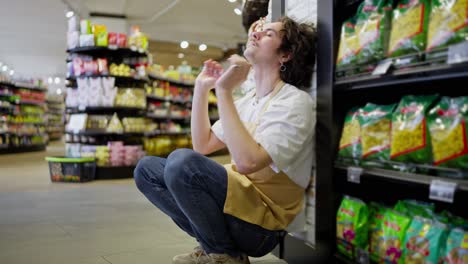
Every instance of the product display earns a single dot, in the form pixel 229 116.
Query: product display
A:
pixel 350 143
pixel 349 44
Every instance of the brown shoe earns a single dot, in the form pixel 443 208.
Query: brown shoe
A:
pixel 197 256
pixel 226 259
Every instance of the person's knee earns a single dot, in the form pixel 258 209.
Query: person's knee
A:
pixel 176 171
pixel 140 172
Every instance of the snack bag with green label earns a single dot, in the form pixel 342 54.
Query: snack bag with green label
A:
pixel 410 134
pixel 456 249
pixel 447 126
pixel 448 23
pixel 351 226
pixel 373 30
pixel 350 142
pixel 377 213
pixel 348 44
pixel 409 27
pixel 375 121
pixel 394 230
pixel 423 241
pixel 414 208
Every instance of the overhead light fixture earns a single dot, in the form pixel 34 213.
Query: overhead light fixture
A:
pixel 5 68
pixel 202 47
pixel 69 14
pixel 57 80
pixel 232 1
pixel 12 72
pixel 180 55
pixel 184 44
pixel 50 80
pixel 237 11
pixel 59 91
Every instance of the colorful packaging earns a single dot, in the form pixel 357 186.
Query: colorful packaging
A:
pixel 456 249
pixel 122 40
pixel 85 27
pixel 410 134
pixel 350 142
pixel 424 240
pixel 409 27
pixel 414 208
pixel 373 30
pixel 112 39
pixel 448 23
pixel 351 226
pixel 394 230
pixel 447 126
pixel 377 213
pixel 375 121
pixel 348 44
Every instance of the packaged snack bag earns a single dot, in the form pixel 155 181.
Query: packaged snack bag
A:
pixel 350 142
pixel 447 126
pixel 423 241
pixel 351 224
pixel 394 230
pixel 373 30
pixel 410 134
pixel 375 121
pixel 348 44
pixel 456 249
pixel 409 27
pixel 448 23
pixel 414 208
pixel 377 213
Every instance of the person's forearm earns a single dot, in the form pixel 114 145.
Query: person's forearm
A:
pixel 200 122
pixel 241 145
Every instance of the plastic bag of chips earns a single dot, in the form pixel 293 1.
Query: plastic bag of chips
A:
pixel 350 142
pixel 348 44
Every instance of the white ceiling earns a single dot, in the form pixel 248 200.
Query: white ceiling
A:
pixel 33 32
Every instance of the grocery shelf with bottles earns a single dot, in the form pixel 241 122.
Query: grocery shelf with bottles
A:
pixel 390 119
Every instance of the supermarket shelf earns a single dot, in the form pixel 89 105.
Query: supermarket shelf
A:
pixel 168 117
pixel 166 133
pixel 117 78
pixel 105 51
pixel 23 86
pixel 423 74
pixel 103 133
pixel 13 150
pixel 104 110
pixel 6 94
pixel 167 99
pixel 106 173
pixel 407 177
pixel 342 259
pixel 55 101
pixel 27 102
pixel 174 82
pixel 27 123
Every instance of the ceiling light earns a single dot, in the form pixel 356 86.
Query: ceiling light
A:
pixel 5 68
pixel 57 80
pixel 202 47
pixel 50 80
pixel 59 91
pixel 12 72
pixel 184 44
pixel 232 1
pixel 69 14
pixel 237 11
pixel 180 55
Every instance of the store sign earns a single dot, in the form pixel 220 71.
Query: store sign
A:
pixel 442 191
pixel 354 174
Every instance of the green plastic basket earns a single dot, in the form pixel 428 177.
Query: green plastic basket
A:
pixel 63 169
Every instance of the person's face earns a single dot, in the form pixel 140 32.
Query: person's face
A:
pixel 263 43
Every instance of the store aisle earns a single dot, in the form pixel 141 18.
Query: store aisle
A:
pixel 100 222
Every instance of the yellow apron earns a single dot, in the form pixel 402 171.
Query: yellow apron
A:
pixel 265 198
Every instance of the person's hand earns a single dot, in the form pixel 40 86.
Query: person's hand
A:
pixel 211 72
pixel 235 75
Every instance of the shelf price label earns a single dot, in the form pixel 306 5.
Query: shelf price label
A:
pixel 442 191
pixel 458 53
pixel 362 256
pixel 382 67
pixel 354 174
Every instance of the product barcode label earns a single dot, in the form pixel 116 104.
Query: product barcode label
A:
pixel 383 67
pixel 354 174
pixel 458 53
pixel 442 191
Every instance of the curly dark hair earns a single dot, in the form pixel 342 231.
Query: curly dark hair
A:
pixel 298 39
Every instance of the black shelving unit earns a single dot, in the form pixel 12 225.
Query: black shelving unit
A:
pixel 106 52
pixel 22 149
pixel 174 82
pixel 121 111
pixel 335 96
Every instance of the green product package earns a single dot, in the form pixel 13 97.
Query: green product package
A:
pixel 452 220
pixel 375 122
pixel 394 230
pixel 414 208
pixel 447 126
pixel 350 142
pixel 348 44
pixel 424 240
pixel 377 213
pixel 373 30
pixel 456 249
pixel 351 226
pixel 409 27
pixel 448 23
pixel 410 134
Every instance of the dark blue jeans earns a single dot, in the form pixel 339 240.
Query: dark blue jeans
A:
pixel 191 189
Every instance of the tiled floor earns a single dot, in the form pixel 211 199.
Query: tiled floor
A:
pixel 100 222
